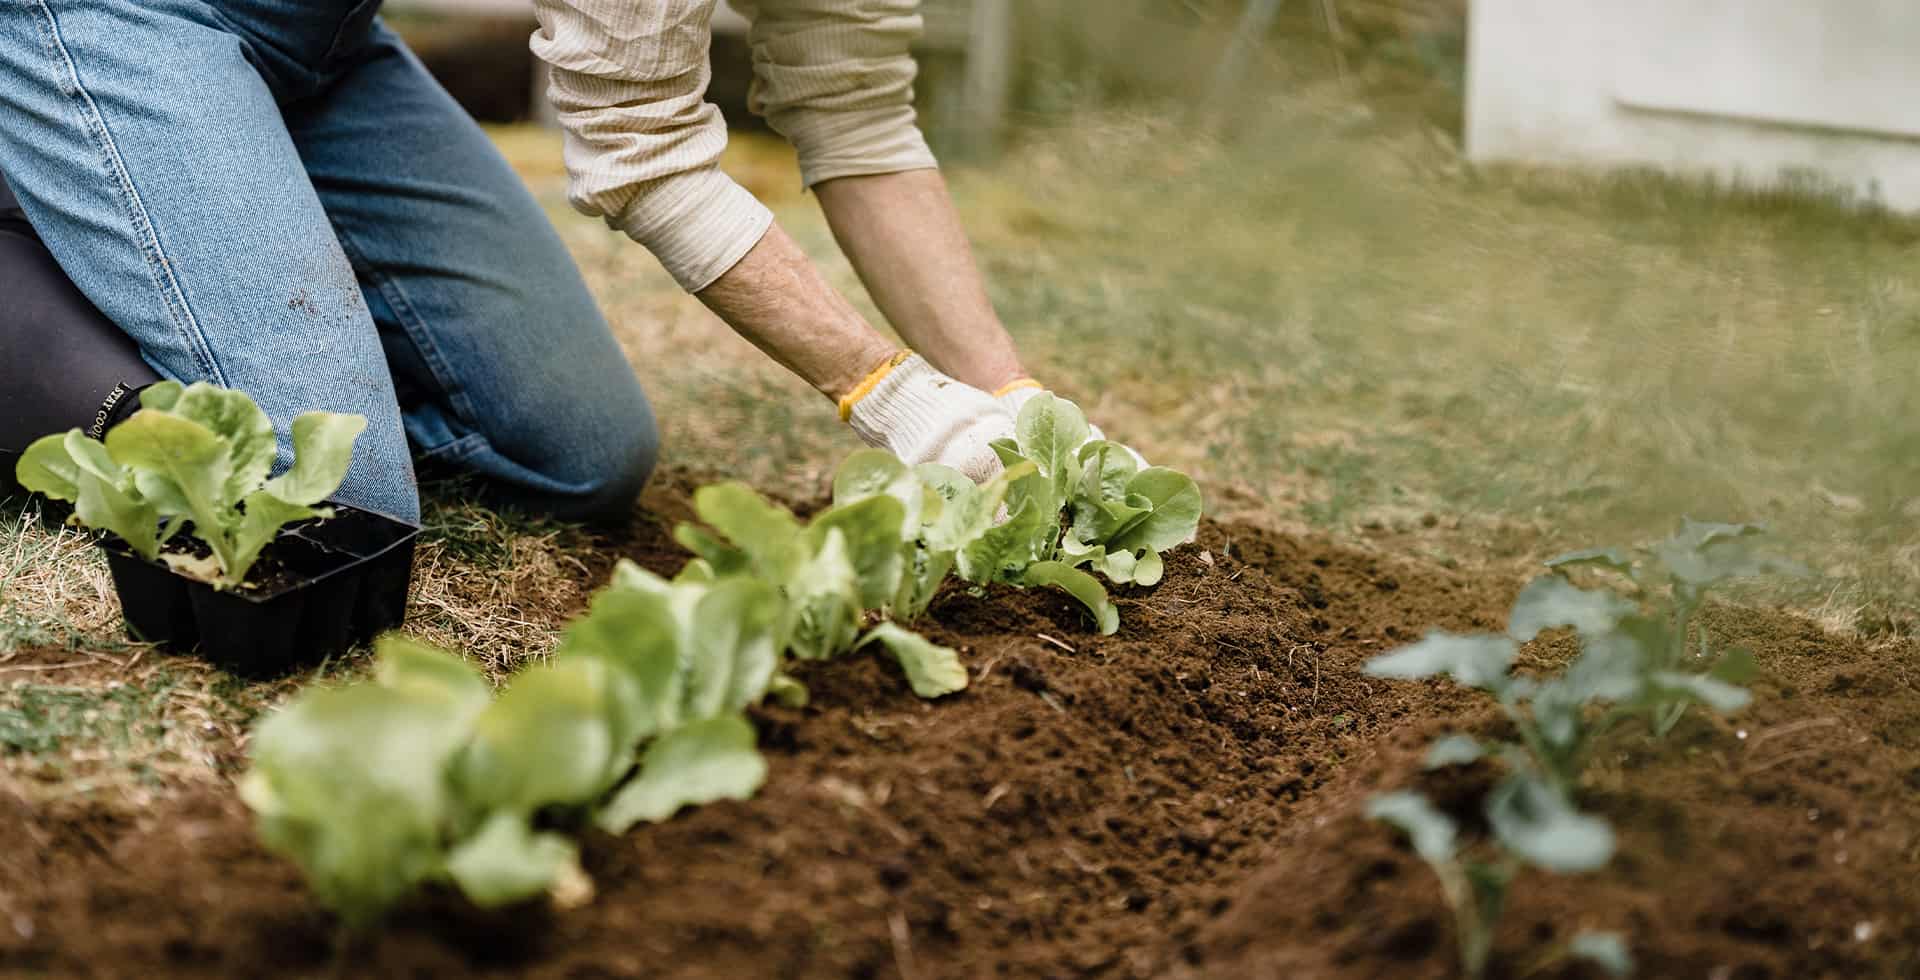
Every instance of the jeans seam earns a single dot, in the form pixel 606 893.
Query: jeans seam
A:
pixel 159 266
pixel 457 450
pixel 413 323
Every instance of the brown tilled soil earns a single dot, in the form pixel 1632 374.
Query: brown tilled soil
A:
pixel 1178 800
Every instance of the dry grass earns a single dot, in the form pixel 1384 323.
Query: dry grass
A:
pixel 497 587
pixel 54 588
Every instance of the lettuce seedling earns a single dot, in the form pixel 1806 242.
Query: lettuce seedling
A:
pixel 353 784
pixel 851 558
pixel 422 775
pixel 941 513
pixel 691 656
pixel 198 454
pixel 1090 502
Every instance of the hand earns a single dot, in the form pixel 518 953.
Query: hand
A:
pixel 923 416
pixel 1016 394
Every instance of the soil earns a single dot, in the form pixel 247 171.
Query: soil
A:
pixel 1179 800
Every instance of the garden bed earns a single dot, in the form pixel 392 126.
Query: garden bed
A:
pixel 1180 799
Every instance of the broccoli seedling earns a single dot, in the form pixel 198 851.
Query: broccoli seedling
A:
pixel 1633 662
pixel 1533 826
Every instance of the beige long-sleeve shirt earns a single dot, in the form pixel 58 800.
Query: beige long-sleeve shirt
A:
pixel 629 78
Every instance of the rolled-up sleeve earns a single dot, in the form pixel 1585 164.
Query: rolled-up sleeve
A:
pixel 835 77
pixel 629 80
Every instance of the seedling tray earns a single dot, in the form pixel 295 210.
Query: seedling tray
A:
pixel 342 581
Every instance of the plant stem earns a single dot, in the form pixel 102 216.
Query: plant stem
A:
pixel 1543 758
pixel 1473 936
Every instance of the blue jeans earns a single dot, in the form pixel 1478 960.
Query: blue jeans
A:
pixel 273 195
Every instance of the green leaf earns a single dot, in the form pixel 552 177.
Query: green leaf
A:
pixel 161 395
pixel 185 451
pixel 1610 665
pixel 865 473
pixel 1452 750
pixel 92 457
pixel 556 735
pixel 1118 566
pixel 999 553
pixel 1536 822
pixel 260 523
pixel 968 511
pixel 1105 468
pixel 1551 601
pixel 732 647
pixel 430 675
pixel 707 760
pixel 1050 431
pixel 1557 714
pixel 787 692
pixel 724 559
pixel 1149 569
pixel 824 602
pixel 351 783
pixel 322 452
pixel 1706 689
pixel 944 480
pixel 766 532
pixel 636 632
pixel 1431 831
pixel 871 527
pixel 243 429
pixel 1081 586
pixel 48 468
pixel 185 471
pixel 506 862
pixel 921 583
pixel 1612 558
pixel 1476 661
pixel 932 670
pixel 103 505
pixel 1608 950
pixel 697 571
pixel 631 577
pixel 1176 511
pixel 1100 520
pixel 1702 554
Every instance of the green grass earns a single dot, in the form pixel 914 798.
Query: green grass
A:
pixel 1334 313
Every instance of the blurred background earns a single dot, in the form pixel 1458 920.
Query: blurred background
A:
pixel 1479 281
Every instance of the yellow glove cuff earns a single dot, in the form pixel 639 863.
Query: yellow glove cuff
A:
pixel 871 381
pixel 1017 384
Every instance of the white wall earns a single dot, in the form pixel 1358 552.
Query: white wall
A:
pixel 1744 89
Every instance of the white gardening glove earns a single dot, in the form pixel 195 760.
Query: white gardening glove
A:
pixel 922 416
pixel 1016 394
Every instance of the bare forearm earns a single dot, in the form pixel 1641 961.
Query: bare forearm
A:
pixel 905 240
pixel 777 300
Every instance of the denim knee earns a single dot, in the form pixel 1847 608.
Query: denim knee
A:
pixel 617 470
pixel 591 474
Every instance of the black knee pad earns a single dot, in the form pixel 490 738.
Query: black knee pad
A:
pixel 63 365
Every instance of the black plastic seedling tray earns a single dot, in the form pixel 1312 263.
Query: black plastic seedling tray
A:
pixel 345 580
